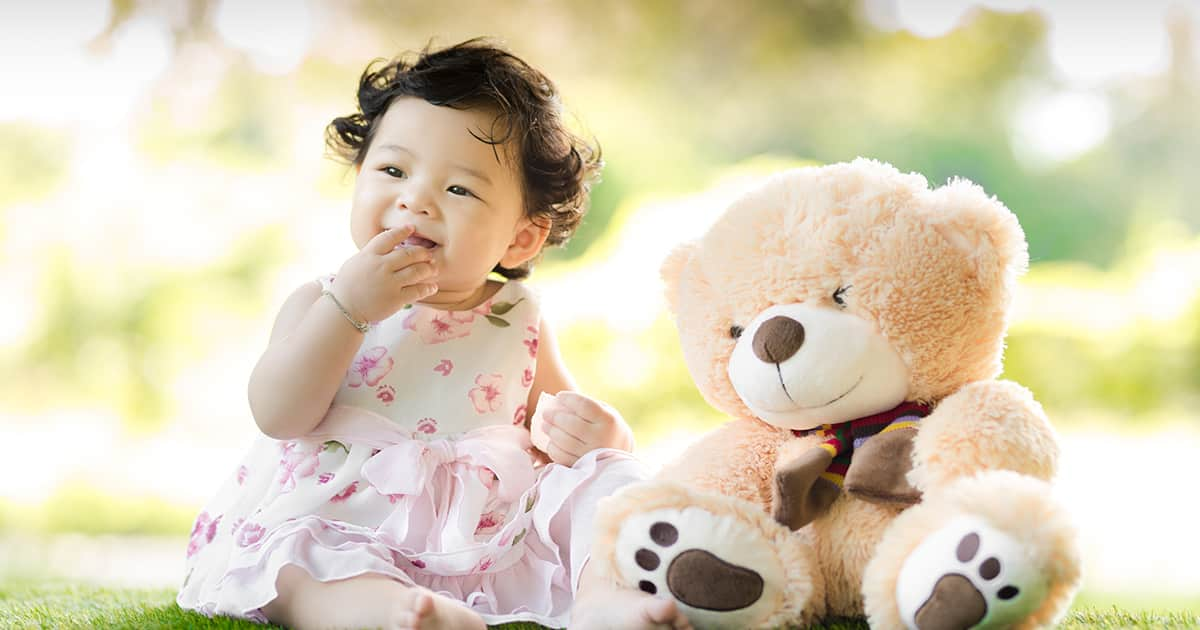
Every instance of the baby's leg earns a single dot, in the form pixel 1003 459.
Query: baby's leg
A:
pixel 366 601
pixel 602 606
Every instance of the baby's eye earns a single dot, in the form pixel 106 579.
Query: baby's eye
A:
pixel 393 171
pixel 839 296
pixel 460 191
pixel 736 331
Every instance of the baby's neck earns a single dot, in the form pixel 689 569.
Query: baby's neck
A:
pixel 462 300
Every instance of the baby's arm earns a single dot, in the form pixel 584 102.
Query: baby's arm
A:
pixel 312 344
pixel 576 423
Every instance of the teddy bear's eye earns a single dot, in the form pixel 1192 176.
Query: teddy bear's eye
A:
pixel 736 331
pixel 839 296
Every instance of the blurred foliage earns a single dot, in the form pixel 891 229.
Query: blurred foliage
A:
pixel 31 164
pixel 1147 363
pixel 1133 372
pixel 675 92
pixel 238 133
pixel 644 377
pixel 811 78
pixel 121 343
pixel 81 507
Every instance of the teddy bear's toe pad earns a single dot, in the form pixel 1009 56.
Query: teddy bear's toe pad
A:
pixel 717 568
pixel 702 580
pixel 968 574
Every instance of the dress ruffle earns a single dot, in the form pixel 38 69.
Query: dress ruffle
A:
pixel 470 517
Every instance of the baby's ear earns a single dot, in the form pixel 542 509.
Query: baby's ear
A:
pixel 527 241
pixel 672 270
pixel 981 227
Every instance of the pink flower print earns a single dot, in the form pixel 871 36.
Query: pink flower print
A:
pixel 297 464
pixel 417 562
pixel 370 367
pixel 527 378
pixel 241 475
pixel 249 533
pixel 465 317
pixel 344 494
pixel 324 478
pixel 427 426
pixel 386 393
pixel 436 326
pixel 203 533
pixel 519 415
pixel 444 367
pixel 532 342
pixel 489 522
pixel 486 397
pixel 484 565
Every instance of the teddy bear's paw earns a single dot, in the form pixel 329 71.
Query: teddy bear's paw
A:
pixel 878 472
pixel 968 574
pixel 718 569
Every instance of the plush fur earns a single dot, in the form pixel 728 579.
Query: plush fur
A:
pixel 932 271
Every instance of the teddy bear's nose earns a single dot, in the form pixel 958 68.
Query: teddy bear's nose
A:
pixel 778 339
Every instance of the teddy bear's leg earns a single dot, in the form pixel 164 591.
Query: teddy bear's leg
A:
pixel 725 561
pixel 990 551
pixel 988 425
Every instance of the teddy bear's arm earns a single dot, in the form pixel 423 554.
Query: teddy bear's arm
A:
pixel 987 425
pixel 736 459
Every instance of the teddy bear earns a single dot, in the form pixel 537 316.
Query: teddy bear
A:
pixel 850 321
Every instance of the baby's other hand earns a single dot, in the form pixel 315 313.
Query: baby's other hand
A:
pixel 576 424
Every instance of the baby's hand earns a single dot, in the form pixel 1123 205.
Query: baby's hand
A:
pixel 383 277
pixel 575 424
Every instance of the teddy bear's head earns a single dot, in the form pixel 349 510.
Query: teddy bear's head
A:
pixel 833 293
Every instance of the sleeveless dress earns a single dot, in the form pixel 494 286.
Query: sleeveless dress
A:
pixel 421 471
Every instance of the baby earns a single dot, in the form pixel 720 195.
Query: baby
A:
pixel 396 485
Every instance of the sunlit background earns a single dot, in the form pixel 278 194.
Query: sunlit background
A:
pixel 164 185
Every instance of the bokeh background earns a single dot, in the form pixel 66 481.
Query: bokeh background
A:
pixel 164 185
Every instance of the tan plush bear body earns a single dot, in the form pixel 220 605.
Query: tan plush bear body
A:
pixel 824 296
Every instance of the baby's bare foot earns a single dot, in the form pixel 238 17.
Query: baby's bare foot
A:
pixel 621 609
pixel 419 609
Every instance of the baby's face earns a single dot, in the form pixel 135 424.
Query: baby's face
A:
pixel 424 167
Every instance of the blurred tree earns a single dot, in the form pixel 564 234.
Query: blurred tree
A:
pixel 31 164
pixel 675 91
pixel 122 343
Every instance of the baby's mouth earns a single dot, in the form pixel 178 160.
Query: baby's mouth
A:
pixel 419 241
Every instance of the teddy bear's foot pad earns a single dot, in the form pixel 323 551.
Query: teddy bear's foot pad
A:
pixel 716 568
pixel 968 574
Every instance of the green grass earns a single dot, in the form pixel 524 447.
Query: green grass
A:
pixel 58 604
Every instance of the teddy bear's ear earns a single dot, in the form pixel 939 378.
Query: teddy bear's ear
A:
pixel 982 227
pixel 672 270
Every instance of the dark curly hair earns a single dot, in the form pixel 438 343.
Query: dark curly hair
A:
pixel 557 166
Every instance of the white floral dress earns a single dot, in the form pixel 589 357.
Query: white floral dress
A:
pixel 420 471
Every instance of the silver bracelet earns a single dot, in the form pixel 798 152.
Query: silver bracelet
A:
pixel 362 327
